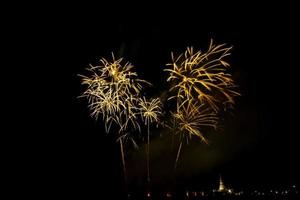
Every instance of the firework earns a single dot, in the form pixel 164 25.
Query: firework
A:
pixel 150 112
pixel 113 91
pixel 191 119
pixel 202 76
pixel 200 84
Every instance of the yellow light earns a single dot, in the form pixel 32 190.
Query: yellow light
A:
pixel 113 91
pixel 201 86
pixel 202 76
pixel 113 72
pixel 116 99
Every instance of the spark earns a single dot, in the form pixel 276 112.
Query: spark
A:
pixel 201 85
pixel 202 76
pixel 150 112
pixel 191 119
pixel 113 91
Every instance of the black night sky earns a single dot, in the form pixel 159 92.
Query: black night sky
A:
pixel 259 144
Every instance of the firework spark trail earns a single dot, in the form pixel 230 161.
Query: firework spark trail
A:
pixel 201 85
pixel 113 91
pixel 190 120
pixel 202 76
pixel 150 112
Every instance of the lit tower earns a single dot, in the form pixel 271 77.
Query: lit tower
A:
pixel 221 185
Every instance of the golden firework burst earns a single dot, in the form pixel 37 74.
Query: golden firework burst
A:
pixel 201 85
pixel 191 119
pixel 113 91
pixel 150 110
pixel 202 76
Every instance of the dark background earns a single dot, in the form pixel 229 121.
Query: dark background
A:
pixel 70 152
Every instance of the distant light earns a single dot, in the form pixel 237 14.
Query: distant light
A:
pixel 148 194
pixel 169 194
